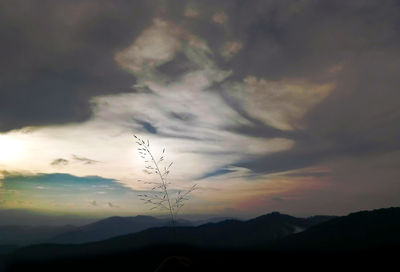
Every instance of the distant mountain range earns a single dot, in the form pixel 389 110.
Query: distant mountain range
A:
pixel 275 231
pixel 14 217
pixel 26 235
pixel 226 234
pixel 13 236
pixel 200 222
pixel 279 226
pixel 23 235
pixel 111 227
pixel 274 240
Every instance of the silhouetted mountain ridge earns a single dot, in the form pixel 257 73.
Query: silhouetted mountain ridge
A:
pixel 111 227
pixel 359 230
pixel 368 239
pixel 230 233
pixel 200 222
pixel 25 235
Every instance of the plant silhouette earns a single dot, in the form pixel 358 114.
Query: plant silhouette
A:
pixel 160 196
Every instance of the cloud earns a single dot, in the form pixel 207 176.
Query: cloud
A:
pixel 84 160
pixel 155 45
pixel 194 134
pixel 183 116
pixel 148 127
pixel 188 116
pixel 44 80
pixel 231 48
pixel 351 185
pixel 111 205
pixel 159 44
pixel 59 162
pixel 280 104
pixel 236 96
pixel 219 18
pixel 191 13
pixel 218 172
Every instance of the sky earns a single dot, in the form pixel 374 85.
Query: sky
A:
pixel 289 106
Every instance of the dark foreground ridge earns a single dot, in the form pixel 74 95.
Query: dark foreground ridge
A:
pixel 201 259
pixel 361 240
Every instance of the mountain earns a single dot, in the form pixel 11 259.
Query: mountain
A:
pixel 368 239
pixel 233 233
pixel 111 227
pixel 256 232
pixel 25 235
pixel 5 249
pixel 360 230
pixel 200 222
pixel 226 234
pixel 16 217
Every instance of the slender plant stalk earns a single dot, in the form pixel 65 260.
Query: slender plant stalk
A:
pixel 164 186
pixel 160 197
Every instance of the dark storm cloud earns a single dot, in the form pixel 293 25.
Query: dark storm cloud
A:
pixel 177 67
pixel 283 38
pixel 355 44
pixel 57 54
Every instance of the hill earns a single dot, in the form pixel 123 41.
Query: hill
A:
pixel 357 231
pixel 226 234
pixel 26 235
pixel 361 240
pixel 111 227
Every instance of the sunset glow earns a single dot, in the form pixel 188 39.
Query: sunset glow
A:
pixel 10 149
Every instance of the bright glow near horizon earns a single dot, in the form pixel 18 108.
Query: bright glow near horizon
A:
pixel 10 149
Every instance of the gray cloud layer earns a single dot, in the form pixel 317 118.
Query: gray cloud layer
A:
pixel 57 55
pixel 356 43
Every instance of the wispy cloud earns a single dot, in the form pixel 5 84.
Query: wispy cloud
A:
pixel 280 104
pixel 59 162
pixel 84 160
